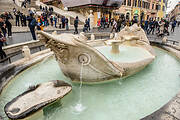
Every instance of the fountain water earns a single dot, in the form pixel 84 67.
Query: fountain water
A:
pixel 79 106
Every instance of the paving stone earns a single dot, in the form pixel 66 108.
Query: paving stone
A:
pixel 167 117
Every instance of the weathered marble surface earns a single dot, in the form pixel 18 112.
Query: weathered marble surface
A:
pixel 35 98
pixel 170 111
pixel 72 51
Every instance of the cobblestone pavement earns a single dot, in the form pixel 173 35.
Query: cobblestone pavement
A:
pixel 22 34
pixel 176 35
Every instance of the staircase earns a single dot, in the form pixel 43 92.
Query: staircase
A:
pixel 63 12
pixel 8 5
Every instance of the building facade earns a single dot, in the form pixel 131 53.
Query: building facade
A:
pixel 175 13
pixel 143 9
pixel 100 8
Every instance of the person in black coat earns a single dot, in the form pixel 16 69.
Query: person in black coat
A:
pixel 2 53
pixel 9 27
pixel 17 14
pixel 3 27
pixel 24 20
pixel 32 24
pixel 76 21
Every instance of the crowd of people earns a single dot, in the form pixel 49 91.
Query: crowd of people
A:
pixel 150 26
pixel 34 21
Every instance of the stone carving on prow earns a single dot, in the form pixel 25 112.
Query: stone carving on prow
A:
pixel 42 38
pixel 61 50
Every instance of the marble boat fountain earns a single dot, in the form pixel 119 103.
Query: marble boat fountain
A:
pixel 73 51
pixel 142 95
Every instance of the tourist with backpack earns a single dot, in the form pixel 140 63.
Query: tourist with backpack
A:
pixel 32 25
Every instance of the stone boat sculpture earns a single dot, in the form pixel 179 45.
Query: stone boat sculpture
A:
pixel 74 52
pixel 35 98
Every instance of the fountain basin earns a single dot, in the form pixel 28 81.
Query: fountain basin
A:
pixel 35 98
pixel 149 90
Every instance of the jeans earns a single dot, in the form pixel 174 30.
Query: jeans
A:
pixel 32 29
pixel 76 30
pixel 2 53
pixel 17 22
pixel 9 32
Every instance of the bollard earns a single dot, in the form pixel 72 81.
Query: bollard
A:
pixel 54 33
pixel 92 37
pixel 115 35
pixel 26 52
pixel 111 35
pixel 164 40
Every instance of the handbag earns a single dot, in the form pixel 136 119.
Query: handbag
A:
pixel 3 39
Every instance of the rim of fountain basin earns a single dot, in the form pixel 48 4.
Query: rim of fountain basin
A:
pixel 169 110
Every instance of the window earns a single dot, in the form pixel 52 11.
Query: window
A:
pixel 143 4
pixel 129 2
pixel 135 3
pixel 163 8
pixel 124 3
pixel 156 7
pixel 147 17
pixel 148 5
pixel 139 3
pixel 152 6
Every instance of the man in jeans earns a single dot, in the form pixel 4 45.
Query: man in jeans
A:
pixel 32 25
pixel 76 21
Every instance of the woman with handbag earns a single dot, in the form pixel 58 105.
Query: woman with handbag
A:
pixel 2 39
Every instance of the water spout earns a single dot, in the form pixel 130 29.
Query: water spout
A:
pixel 79 107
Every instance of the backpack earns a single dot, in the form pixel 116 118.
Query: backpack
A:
pixel 33 22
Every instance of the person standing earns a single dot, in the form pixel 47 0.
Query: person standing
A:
pixel 119 25
pixel 55 20
pixel 17 18
pixel 63 22
pixel 88 24
pixel 173 25
pixel 67 22
pixel 51 20
pixel 114 26
pixel 99 24
pixel 161 27
pixel 9 27
pixel 32 25
pixel 152 26
pixel 24 20
pixel 2 53
pixel 3 27
pixel 76 21
pixel 21 19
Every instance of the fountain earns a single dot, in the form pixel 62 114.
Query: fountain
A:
pixel 140 84
pixel 72 50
